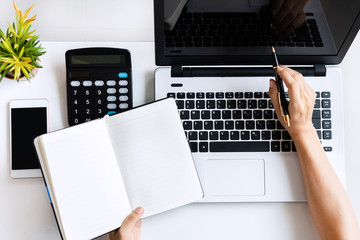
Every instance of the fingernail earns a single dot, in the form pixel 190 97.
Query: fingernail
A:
pixel 139 210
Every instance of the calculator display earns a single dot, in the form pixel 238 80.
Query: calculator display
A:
pixel 98 59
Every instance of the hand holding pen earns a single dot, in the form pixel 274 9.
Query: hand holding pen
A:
pixel 281 93
pixel 301 102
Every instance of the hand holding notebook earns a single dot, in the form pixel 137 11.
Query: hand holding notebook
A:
pixel 99 171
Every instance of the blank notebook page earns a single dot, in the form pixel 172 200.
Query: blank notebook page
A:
pixel 88 186
pixel 154 157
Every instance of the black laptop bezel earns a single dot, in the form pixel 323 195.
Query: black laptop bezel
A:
pixel 162 60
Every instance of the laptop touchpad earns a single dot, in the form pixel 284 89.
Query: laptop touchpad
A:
pixel 235 177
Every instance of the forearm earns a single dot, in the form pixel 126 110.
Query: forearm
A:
pixel 328 202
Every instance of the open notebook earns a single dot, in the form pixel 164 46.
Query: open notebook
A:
pixel 97 172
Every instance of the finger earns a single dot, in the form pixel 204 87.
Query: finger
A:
pixel 290 80
pixel 274 98
pixel 131 220
pixel 286 9
pixel 275 7
pixel 298 21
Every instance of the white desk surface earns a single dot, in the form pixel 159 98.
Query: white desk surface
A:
pixel 25 212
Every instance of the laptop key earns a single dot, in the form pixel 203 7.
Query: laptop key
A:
pixel 190 95
pixel 325 94
pixel 216 114
pixel 200 104
pixel 239 125
pixel 236 114
pixel 327 135
pixel 208 125
pixel 226 114
pixel 316 114
pixel 245 135
pixel 203 147
pixel 189 104
pixel 252 104
pixel 276 135
pixel 234 135
pixel 210 95
pixel 187 125
pixel 184 115
pixel 214 135
pixel 220 95
pixel 219 125
pixel 198 125
pixel 210 104
pixel 203 135
pixel 286 146
pixel 192 135
pixel 316 123
pixel 205 114
pixel 261 146
pixel 193 146
pixel 242 104
pixel 326 113
pixel 180 104
pixel 247 114
pixel 180 95
pixel 195 114
pixel 224 135
pixel 248 95
pixel 255 135
pixel 231 104
pixel 265 135
pixel 221 104
pixel 275 146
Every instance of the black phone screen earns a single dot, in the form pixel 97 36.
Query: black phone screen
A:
pixel 26 124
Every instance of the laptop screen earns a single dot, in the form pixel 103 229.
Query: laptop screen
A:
pixel 241 32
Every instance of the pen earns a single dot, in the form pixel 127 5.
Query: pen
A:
pixel 281 94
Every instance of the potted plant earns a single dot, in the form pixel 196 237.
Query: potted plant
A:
pixel 20 48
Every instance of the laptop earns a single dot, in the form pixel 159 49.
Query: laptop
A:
pixel 214 58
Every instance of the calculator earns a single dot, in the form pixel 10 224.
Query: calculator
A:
pixel 98 83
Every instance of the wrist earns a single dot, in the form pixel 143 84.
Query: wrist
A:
pixel 304 134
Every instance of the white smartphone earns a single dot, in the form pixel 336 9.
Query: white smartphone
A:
pixel 28 119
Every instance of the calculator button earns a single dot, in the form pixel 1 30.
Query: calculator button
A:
pixel 74 92
pixel 98 92
pixel 111 83
pixel 123 75
pixel 87 83
pixel 75 83
pixel 123 98
pixel 111 90
pixel 123 90
pixel 99 101
pixel 99 83
pixel 87 101
pixel 123 82
pixel 111 98
pixel 87 92
pixel 123 106
pixel 111 113
pixel 87 111
pixel 111 106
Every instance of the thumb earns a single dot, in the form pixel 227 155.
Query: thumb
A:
pixel 131 219
pixel 273 96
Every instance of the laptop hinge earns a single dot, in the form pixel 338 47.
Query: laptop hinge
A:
pixel 179 71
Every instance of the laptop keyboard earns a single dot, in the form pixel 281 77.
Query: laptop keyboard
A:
pixel 242 122
pixel 237 30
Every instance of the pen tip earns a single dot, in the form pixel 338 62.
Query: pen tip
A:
pixel 273 49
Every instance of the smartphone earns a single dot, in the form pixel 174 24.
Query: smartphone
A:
pixel 28 119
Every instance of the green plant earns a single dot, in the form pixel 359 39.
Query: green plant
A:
pixel 20 48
